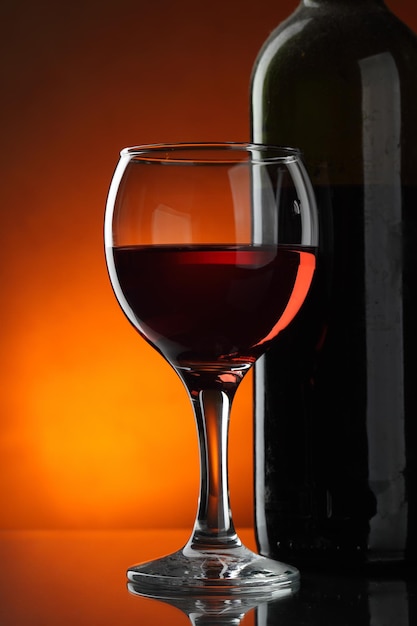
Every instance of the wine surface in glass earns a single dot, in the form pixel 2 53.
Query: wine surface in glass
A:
pixel 204 304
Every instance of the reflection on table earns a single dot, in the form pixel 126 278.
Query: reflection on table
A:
pixel 74 577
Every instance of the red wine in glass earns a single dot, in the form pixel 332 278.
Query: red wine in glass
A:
pixel 208 304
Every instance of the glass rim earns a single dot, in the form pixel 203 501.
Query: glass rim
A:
pixel 199 153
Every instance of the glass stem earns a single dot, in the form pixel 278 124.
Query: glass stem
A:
pixel 214 529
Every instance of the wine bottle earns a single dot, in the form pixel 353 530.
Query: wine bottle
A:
pixel 336 398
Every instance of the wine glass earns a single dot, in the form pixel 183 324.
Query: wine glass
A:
pixel 210 250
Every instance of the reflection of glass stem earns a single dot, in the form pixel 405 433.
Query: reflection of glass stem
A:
pixel 226 613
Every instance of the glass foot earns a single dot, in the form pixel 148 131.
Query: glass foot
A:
pixel 234 571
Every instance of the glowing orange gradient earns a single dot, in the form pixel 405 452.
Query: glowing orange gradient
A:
pixel 96 430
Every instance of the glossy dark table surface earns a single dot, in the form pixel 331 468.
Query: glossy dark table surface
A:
pixel 78 577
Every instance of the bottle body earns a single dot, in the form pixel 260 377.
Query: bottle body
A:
pixel 336 398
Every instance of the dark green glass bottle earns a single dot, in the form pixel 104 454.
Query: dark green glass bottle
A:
pixel 336 398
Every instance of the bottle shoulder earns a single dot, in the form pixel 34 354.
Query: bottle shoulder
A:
pixel 335 36
pixel 320 82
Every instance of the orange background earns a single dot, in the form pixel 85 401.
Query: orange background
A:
pixel 96 430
